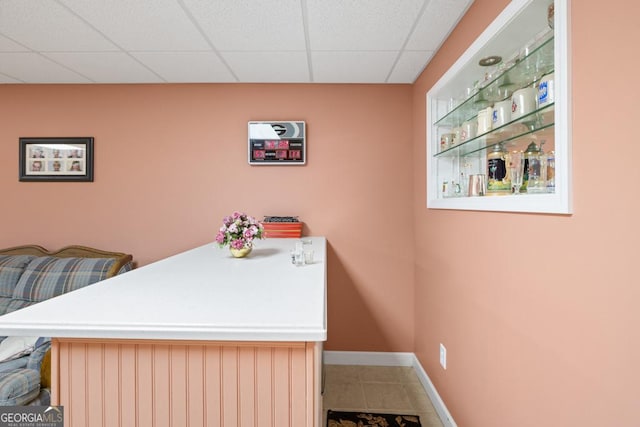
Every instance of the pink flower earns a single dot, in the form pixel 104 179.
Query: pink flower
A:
pixel 237 244
pixel 239 230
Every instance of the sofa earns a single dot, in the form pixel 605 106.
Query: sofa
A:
pixel 31 274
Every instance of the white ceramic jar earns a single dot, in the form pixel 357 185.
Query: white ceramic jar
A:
pixel 546 90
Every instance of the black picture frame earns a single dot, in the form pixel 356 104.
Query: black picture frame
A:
pixel 56 159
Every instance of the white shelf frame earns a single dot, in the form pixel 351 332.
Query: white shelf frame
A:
pixel 557 203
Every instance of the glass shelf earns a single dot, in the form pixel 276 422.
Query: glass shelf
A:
pixel 524 72
pixel 528 124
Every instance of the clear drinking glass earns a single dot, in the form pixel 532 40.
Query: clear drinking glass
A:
pixel 516 170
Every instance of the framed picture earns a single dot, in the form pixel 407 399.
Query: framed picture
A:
pixel 56 159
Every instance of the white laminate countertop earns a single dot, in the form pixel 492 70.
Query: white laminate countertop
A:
pixel 200 294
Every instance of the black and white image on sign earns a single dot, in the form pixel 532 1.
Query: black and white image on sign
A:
pixel 277 143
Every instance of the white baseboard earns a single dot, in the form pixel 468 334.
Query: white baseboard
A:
pixel 393 359
pixel 368 358
pixel 438 403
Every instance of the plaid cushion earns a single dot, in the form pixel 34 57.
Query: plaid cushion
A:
pixel 9 365
pixel 48 277
pixel 19 386
pixel 43 399
pixel 127 267
pixel 11 268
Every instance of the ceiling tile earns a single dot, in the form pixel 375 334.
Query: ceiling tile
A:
pixel 435 24
pixel 360 24
pixel 34 68
pixel 187 67
pixel 8 45
pixel 142 25
pixel 182 41
pixel 269 67
pixel 352 67
pixel 44 25
pixel 106 67
pixel 409 66
pixel 246 25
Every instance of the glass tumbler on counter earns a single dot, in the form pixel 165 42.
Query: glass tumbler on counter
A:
pixel 308 256
pixel 297 254
pixel 302 253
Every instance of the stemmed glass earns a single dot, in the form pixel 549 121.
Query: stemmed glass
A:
pixel 516 170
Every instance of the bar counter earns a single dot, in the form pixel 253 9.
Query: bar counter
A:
pixel 197 339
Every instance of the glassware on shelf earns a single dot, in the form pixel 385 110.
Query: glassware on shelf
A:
pixel 532 149
pixel 535 169
pixel 551 172
pixel 515 170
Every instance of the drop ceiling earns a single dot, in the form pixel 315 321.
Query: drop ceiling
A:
pixel 221 41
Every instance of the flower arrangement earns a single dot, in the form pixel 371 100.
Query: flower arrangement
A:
pixel 239 230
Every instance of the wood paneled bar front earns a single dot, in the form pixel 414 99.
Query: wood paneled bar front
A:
pixel 197 339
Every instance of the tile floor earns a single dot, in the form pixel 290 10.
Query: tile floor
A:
pixel 387 389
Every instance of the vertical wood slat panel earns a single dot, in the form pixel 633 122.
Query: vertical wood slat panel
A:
pixel 229 386
pixel 120 383
pixel 77 392
pixel 314 384
pixel 111 386
pixel 128 381
pixel 144 392
pixel 297 374
pixel 56 349
pixel 213 386
pixel 162 386
pixel 179 380
pixel 281 387
pixel 264 380
pixel 195 386
pixel 94 387
pixel 246 387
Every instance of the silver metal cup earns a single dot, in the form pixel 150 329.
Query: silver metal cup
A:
pixel 477 185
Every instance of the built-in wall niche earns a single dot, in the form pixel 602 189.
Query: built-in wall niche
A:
pixel 509 93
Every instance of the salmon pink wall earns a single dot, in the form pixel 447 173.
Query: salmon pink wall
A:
pixel 170 162
pixel 539 313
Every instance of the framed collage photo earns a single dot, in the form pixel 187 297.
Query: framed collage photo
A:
pixel 56 159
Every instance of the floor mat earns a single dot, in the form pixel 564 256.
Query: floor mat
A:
pixel 368 419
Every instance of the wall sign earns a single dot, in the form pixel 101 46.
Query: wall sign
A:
pixel 277 143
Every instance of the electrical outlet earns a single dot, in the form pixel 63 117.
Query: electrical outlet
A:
pixel 443 356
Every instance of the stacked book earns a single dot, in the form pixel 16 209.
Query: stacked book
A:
pixel 282 226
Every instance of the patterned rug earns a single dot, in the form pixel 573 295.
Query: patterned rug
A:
pixel 367 419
